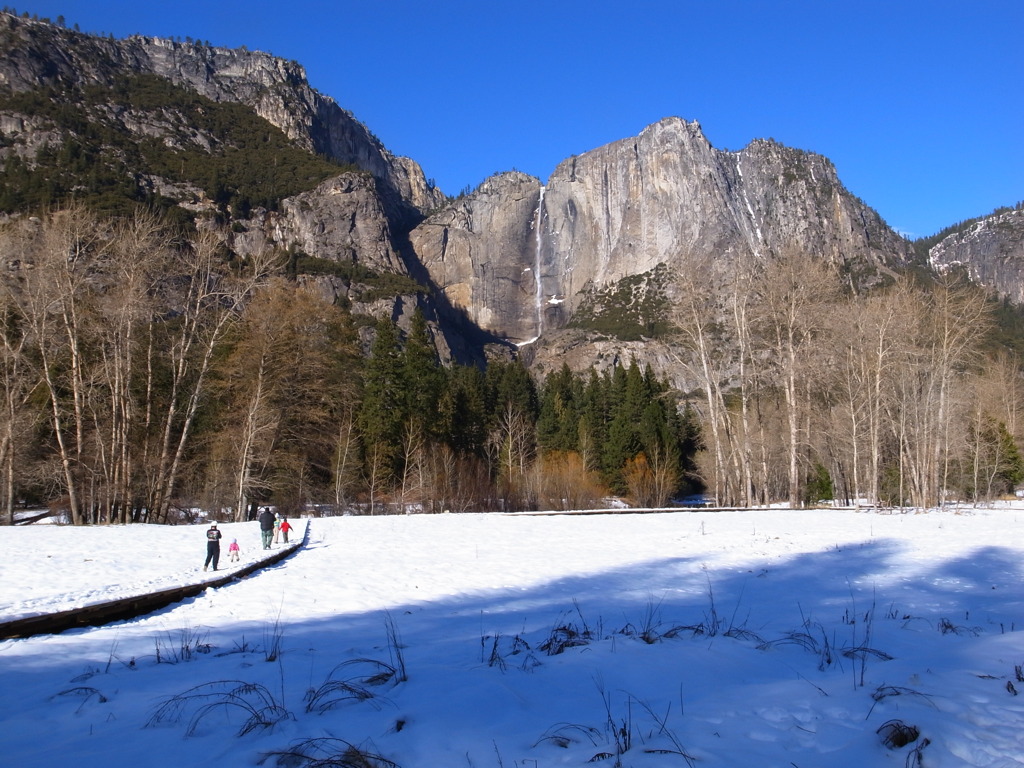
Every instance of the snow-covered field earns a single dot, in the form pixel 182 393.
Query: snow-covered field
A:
pixel 764 638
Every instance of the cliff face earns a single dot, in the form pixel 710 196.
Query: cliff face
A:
pixel 520 258
pixel 990 250
pixel 37 55
pixel 340 220
pixel 480 253
pixel 357 218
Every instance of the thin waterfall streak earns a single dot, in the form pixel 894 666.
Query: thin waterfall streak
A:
pixel 750 209
pixel 538 295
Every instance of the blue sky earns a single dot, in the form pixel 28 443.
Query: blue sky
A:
pixel 917 102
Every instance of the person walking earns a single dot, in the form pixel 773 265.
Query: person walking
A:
pixel 277 528
pixel 233 551
pixel 267 521
pixel 213 537
pixel 285 527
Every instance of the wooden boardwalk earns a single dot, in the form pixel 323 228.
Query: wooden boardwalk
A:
pixel 137 605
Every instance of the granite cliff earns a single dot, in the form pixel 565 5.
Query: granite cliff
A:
pixel 990 250
pixel 521 257
pixel 63 92
pixel 38 55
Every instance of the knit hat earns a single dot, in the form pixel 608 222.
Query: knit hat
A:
pixel 214 524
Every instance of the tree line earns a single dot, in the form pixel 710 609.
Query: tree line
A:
pixel 811 390
pixel 147 372
pixel 464 438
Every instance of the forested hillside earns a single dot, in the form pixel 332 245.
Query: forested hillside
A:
pixel 222 151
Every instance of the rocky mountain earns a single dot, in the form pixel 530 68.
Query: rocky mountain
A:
pixel 529 264
pixel 153 116
pixel 524 259
pixel 38 55
pixel 990 250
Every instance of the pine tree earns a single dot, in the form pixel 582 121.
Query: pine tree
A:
pixel 628 403
pixel 594 418
pixel 462 411
pixel 423 376
pixel 510 384
pixel 382 414
pixel 558 424
pixel 1012 469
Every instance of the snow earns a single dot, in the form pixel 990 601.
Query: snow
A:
pixel 706 638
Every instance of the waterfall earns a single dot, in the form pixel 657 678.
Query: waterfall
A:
pixel 538 294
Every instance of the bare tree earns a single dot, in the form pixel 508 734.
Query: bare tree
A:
pixel 957 320
pixel 377 472
pixel 872 334
pixel 742 293
pixel 414 473
pixel 704 351
pixel 345 467
pixel 443 465
pixel 797 292
pixel 17 378
pixel 562 481
pixel 651 482
pixel 994 396
pixel 512 442
pixel 1001 388
pixel 211 299
pixel 54 305
pixel 134 261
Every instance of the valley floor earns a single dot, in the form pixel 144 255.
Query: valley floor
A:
pixel 771 637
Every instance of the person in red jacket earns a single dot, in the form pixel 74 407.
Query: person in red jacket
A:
pixel 285 527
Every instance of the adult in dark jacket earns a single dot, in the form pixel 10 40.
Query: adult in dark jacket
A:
pixel 213 537
pixel 266 519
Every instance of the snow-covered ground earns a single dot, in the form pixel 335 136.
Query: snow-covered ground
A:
pixel 764 638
